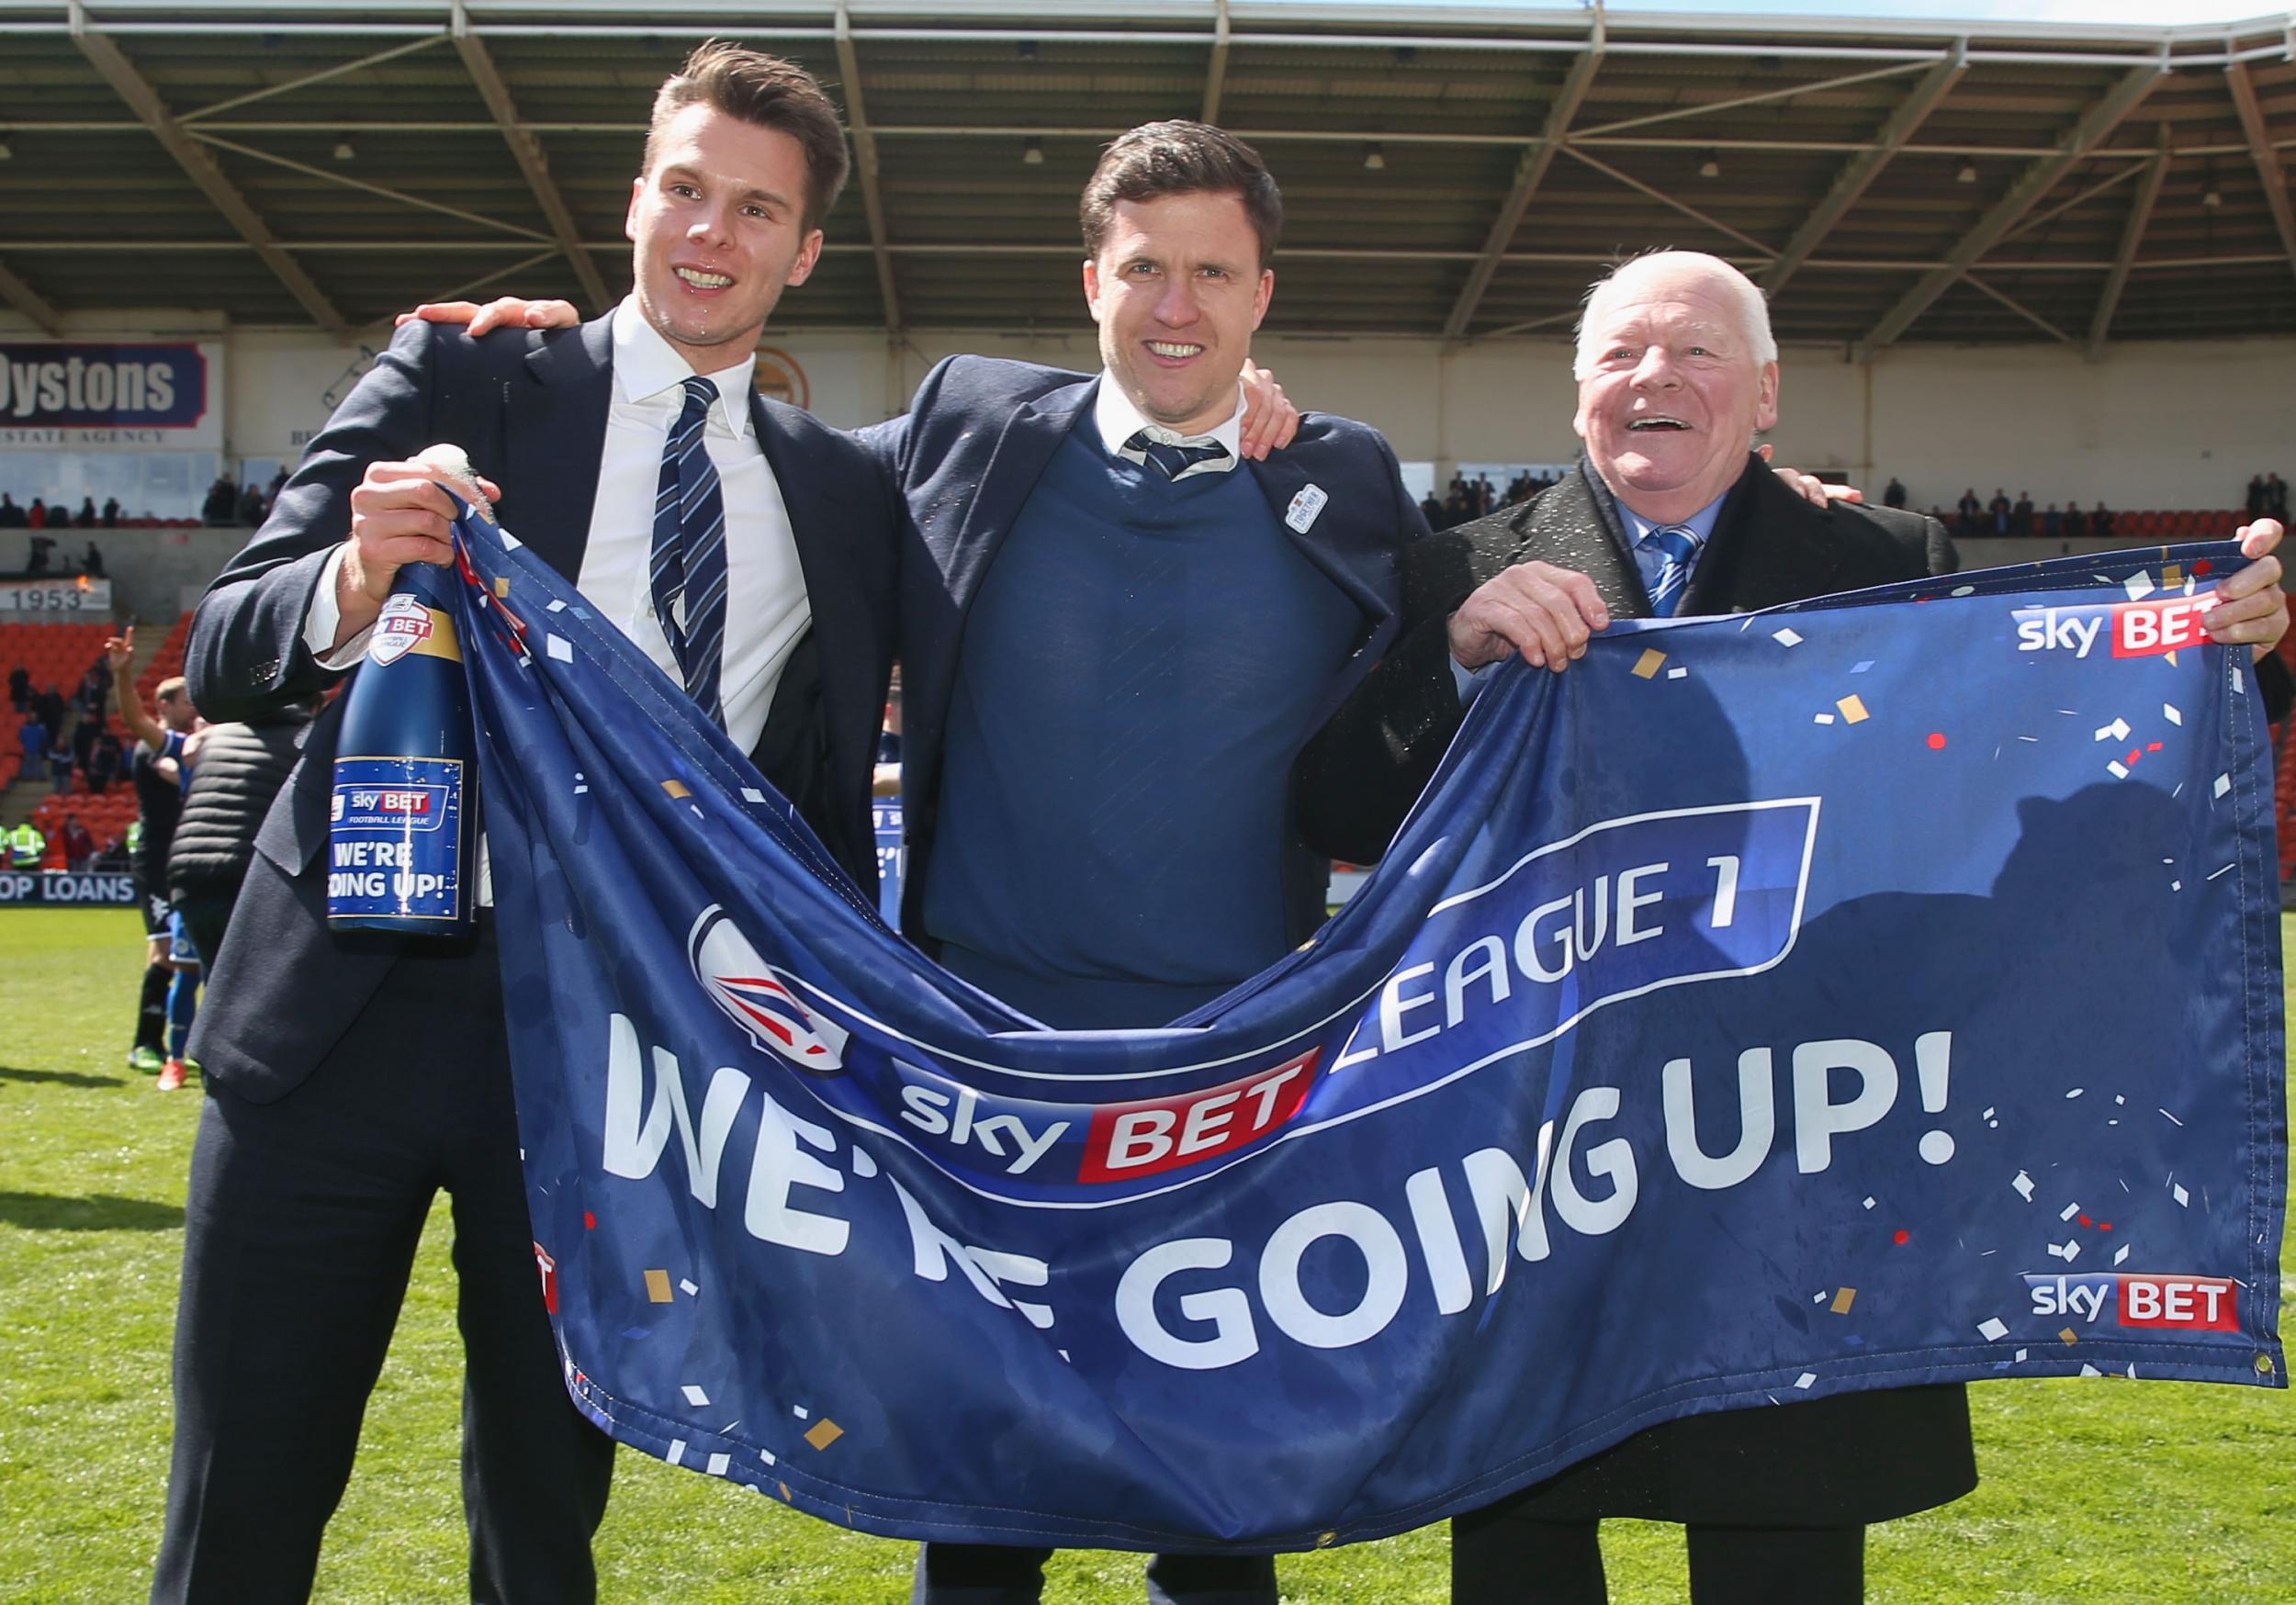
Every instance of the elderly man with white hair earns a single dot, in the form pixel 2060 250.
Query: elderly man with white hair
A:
pixel 1672 511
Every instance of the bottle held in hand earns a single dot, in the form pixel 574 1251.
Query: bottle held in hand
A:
pixel 403 854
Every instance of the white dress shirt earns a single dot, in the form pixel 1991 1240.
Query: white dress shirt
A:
pixel 1118 420
pixel 767 609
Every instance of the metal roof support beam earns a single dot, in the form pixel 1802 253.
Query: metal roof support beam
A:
pixel 1216 76
pixel 1790 92
pixel 1862 169
pixel 1530 172
pixel 865 160
pixel 2131 234
pixel 2128 171
pixel 2023 195
pixel 1664 199
pixel 308 78
pixel 2267 159
pixel 526 150
pixel 194 159
pixel 30 302
pixel 379 191
pixel 2027 313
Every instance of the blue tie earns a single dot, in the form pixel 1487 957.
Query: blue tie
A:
pixel 1172 460
pixel 1679 545
pixel 689 559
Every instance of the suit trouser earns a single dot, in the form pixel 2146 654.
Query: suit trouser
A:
pixel 1499 1557
pixel 301 1228
pixel 996 1573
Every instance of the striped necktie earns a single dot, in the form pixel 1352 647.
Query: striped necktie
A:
pixel 689 560
pixel 1174 459
pixel 1677 545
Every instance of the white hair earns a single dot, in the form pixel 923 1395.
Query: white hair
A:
pixel 1754 308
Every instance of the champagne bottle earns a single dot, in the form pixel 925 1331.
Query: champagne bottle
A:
pixel 403 854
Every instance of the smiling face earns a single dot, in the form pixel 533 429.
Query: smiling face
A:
pixel 718 223
pixel 1177 289
pixel 1671 389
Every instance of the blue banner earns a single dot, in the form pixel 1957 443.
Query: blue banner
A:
pixel 1843 997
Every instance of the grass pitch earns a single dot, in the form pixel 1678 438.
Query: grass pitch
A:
pixel 2092 1492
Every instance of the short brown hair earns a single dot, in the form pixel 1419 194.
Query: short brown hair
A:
pixel 771 93
pixel 1181 158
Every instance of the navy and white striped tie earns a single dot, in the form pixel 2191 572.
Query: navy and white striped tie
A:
pixel 689 560
pixel 1174 459
pixel 1678 544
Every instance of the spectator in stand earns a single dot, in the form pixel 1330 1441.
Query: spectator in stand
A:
pixel 1999 508
pixel 39 515
pixel 19 686
pixel 79 845
pixel 2256 496
pixel 1893 494
pixel 26 848
pixel 33 734
pixel 12 515
pixel 94 692
pixel 157 773
pixel 41 545
pixel 92 562
pixel 103 764
pixel 2276 497
pixel 2053 523
pixel 60 760
pixel 1970 507
pixel 50 706
pixel 251 506
pixel 83 734
pixel 221 505
pixel 1432 510
pixel 86 520
pixel 111 521
pixel 2022 514
pixel 2075 522
pixel 2100 522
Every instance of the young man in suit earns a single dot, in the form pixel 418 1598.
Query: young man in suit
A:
pixel 1670 512
pixel 751 551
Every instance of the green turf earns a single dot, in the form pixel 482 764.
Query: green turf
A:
pixel 2092 1492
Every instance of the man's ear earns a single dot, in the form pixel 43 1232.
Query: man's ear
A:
pixel 1766 398
pixel 1092 287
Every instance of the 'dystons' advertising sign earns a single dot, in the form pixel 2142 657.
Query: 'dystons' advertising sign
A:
pixel 158 394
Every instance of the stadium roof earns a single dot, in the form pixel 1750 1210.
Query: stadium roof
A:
pixel 1454 170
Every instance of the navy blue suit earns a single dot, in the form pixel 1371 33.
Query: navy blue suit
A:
pixel 350 1079
pixel 967 457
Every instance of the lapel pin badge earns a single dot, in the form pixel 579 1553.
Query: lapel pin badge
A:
pixel 1302 513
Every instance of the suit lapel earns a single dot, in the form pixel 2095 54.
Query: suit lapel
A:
pixel 1351 552
pixel 552 450
pixel 1024 450
pixel 1577 525
pixel 810 500
pixel 1769 546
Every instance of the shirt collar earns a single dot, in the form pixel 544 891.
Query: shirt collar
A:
pixel 647 366
pixel 1118 420
pixel 1700 523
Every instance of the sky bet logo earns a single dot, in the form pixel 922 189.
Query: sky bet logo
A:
pixel 2198 1304
pixel 2138 629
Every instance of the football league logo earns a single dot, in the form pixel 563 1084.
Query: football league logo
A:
pixel 756 997
pixel 403 625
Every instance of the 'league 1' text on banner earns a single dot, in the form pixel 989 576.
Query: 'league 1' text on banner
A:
pixel 1708 1039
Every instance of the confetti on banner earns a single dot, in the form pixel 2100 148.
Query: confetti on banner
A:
pixel 2024 1185
pixel 1786 637
pixel 2070 1335
pixel 2183 1199
pixel 823 1433
pixel 2121 1254
pixel 751 794
pixel 694 1396
pixel 557 605
pixel 1993 1329
pixel 2021 1354
pixel 503 586
pixel 560 647
pixel 1647 666
pixel 1861 668
pixel 2139 586
pixel 2069 1211
pixel 688 1289
pixel 2116 731
pixel 677 1455
pixel 1823 719
pixel 2088 1370
pixel 2168 712
pixel 801 1412
pixel 1869 1202
pixel 1805 1379
pixel 719 1463
pixel 658 1286
pixel 2224 784
pixel 1963 590
pixel 676 788
pixel 1844 1299
pixel 1853 710
pixel 2119 771
pixel 2173 574
pixel 2074 1093
pixel 1678 673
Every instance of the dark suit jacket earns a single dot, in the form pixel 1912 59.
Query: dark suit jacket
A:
pixel 531 410
pixel 1846 1459
pixel 967 457
pixel 1363 772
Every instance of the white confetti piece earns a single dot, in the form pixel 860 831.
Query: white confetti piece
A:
pixel 2139 586
pixel 1993 1329
pixel 2069 1211
pixel 2176 886
pixel 1817 1297
pixel 2121 1254
pixel 1786 637
pixel 2088 1370
pixel 2224 784
pixel 694 1396
pixel 2170 1119
pixel 2022 1353
pixel 2183 1199
pixel 677 1455
pixel 1823 719
pixel 799 1412
pixel 767 1455
pixel 1805 1379
pixel 509 543
pixel 1063 1354
pixel 719 1463
pixel 1963 590
pixel 2168 712
pixel 690 1289
pixel 2119 771
pixel 1861 667
pixel 2074 1093
pixel 560 647
pixel 2116 731
pixel 2225 871
pixel 2024 1185
pixel 2132 1371
pixel 557 606
pixel 2240 682
pixel 2033 738
pixel 1869 1202
pixel 1989 1113
pixel 1678 674
pixel 2072 1251
pixel 753 794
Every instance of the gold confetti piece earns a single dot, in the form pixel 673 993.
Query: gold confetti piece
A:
pixel 1323 1540
pixel 2070 1335
pixel 1844 1299
pixel 784 1488
pixel 658 1286
pixel 503 586
pixel 2172 574
pixel 1852 710
pixel 1647 666
pixel 676 787
pixel 823 1433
